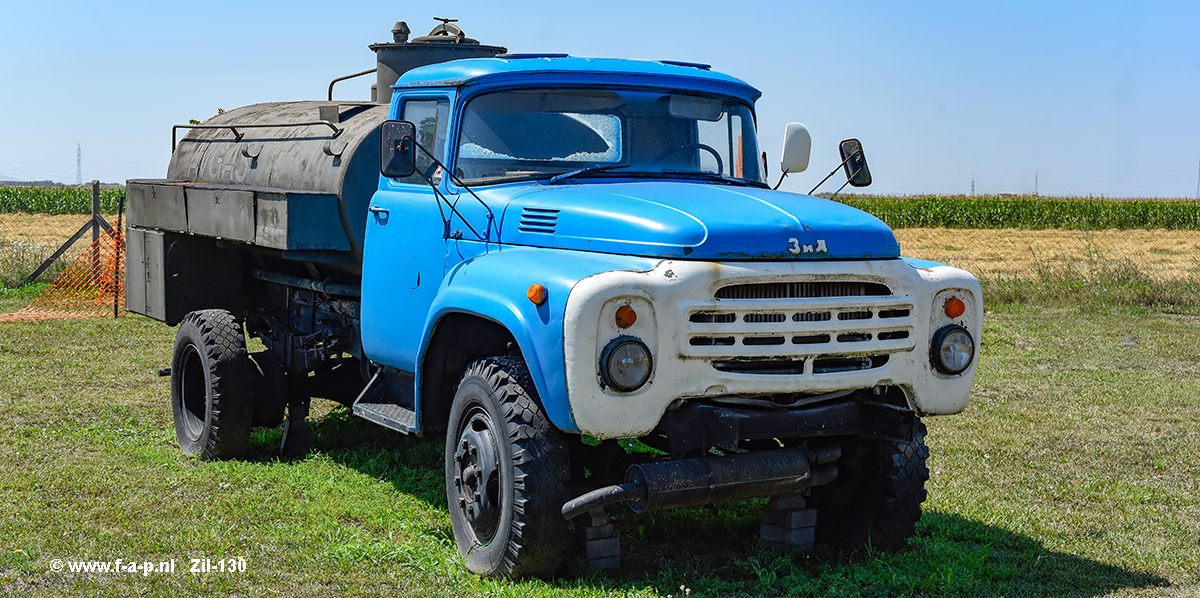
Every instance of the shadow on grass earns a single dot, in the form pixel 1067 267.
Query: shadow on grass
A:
pixel 714 550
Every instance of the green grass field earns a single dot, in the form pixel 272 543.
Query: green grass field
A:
pixel 1075 471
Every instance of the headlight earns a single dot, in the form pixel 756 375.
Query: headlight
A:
pixel 952 349
pixel 625 364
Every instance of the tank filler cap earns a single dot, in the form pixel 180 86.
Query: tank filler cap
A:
pixel 446 33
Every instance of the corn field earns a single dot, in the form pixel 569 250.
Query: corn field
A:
pixel 58 200
pixel 1141 251
pixel 1029 212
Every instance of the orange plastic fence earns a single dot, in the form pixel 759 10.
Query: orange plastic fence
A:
pixel 92 285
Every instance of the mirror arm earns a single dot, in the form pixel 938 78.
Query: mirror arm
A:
pixel 833 172
pixel 457 181
pixel 442 198
pixel 847 180
pixel 781 177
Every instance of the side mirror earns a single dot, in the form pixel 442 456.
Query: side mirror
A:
pixel 797 146
pixel 397 150
pixel 855 162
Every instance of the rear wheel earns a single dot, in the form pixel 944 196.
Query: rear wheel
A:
pixel 210 386
pixel 506 473
pixel 877 496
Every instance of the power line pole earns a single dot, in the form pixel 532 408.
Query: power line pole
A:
pixel 1198 181
pixel 1035 183
pixel 78 164
pixel 973 185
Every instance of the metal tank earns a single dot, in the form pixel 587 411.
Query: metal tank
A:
pixel 317 148
pixel 446 42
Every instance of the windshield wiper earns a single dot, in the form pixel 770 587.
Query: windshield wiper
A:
pixel 709 175
pixel 558 178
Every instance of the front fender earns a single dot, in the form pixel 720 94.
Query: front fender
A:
pixel 493 285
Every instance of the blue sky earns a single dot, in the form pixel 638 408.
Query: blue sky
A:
pixel 1099 98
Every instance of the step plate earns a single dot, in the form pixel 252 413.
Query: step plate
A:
pixel 388 415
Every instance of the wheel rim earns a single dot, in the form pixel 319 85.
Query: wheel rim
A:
pixel 477 475
pixel 193 392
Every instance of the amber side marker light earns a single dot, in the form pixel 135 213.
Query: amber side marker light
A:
pixel 955 307
pixel 536 294
pixel 626 316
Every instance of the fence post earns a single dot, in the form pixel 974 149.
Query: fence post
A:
pixel 95 229
pixel 118 271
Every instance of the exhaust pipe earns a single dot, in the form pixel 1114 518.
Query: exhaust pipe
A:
pixel 709 480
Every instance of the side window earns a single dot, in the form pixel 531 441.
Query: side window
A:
pixel 430 118
pixel 716 134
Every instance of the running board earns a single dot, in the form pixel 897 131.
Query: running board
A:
pixel 388 401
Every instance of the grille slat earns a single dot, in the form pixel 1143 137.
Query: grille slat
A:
pixel 777 327
pixel 802 290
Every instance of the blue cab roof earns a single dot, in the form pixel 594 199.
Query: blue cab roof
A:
pixel 460 72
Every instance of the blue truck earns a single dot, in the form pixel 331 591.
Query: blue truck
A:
pixel 577 272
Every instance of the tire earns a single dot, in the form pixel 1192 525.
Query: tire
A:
pixel 506 474
pixel 876 499
pixel 211 385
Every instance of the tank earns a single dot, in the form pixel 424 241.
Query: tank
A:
pixel 446 42
pixel 337 155
pixel 306 152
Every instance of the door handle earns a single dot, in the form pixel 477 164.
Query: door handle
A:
pixel 378 210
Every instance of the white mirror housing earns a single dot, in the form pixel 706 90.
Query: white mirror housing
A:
pixel 797 146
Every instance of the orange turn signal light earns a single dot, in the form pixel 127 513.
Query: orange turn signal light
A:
pixel 955 307
pixel 536 294
pixel 626 316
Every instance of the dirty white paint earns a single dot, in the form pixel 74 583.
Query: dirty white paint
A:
pixel 666 296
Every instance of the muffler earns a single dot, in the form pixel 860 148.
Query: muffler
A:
pixel 708 480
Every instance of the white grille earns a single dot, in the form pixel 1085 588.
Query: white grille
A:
pixel 805 329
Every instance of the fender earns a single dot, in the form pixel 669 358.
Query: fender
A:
pixel 493 285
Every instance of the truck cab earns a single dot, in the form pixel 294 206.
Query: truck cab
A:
pixel 564 258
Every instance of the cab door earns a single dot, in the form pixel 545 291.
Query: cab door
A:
pixel 405 245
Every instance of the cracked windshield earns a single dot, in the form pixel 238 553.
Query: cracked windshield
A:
pixel 535 134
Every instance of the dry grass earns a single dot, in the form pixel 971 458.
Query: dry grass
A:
pixel 28 239
pixel 40 229
pixel 1018 253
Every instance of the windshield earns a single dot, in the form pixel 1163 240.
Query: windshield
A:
pixel 530 134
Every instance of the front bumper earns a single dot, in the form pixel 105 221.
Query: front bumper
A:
pixel 785 328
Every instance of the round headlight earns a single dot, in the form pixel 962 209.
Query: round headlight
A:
pixel 625 364
pixel 952 349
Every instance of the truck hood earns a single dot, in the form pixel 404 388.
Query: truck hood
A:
pixel 689 220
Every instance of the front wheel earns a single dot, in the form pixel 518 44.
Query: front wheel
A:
pixel 506 473
pixel 877 496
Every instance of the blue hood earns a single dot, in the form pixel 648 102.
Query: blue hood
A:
pixel 688 220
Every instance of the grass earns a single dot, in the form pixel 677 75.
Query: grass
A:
pixel 26 240
pixel 1075 471
pixel 1097 282
pixel 1143 268
pixel 1029 212
pixel 19 258
pixel 1009 252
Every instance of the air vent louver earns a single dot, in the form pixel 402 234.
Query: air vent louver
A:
pixel 538 220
